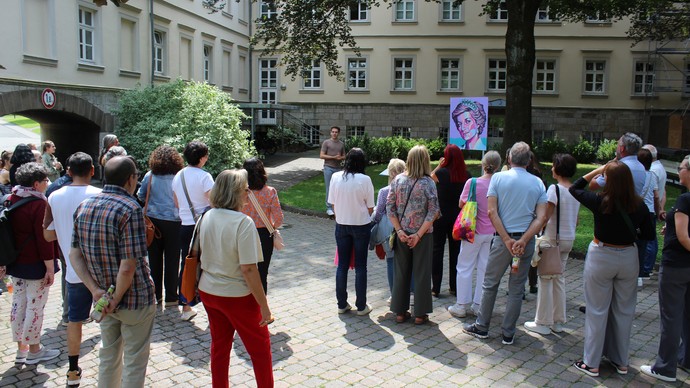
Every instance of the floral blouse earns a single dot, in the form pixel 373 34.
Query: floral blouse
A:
pixel 422 205
pixel 268 200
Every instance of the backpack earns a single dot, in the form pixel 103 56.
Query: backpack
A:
pixel 8 249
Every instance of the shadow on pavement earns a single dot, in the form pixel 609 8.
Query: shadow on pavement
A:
pixel 362 332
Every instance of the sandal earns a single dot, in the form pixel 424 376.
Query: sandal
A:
pixel 621 370
pixel 401 318
pixel 580 365
pixel 421 320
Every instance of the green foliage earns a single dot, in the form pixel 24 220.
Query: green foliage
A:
pixel 287 138
pixel 583 151
pixel 383 149
pixel 607 150
pixel 178 112
pixel 549 147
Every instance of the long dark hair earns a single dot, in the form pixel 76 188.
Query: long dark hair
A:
pixel 355 162
pixel 256 173
pixel 619 189
pixel 454 161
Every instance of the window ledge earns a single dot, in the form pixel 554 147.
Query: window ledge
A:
pixel 243 91
pixel 545 94
pixel 130 73
pixel 41 61
pixel 394 91
pixel 548 23
pixel 90 67
pixel 243 22
pixel 227 88
pixel 495 92
pixel 161 77
pixel 496 21
pixel 451 22
pixel 642 97
pixel 598 24
pixel 311 91
pixel 403 22
pixel 350 91
pixel 227 15
pixel 448 92
pixel 587 95
pixel 360 23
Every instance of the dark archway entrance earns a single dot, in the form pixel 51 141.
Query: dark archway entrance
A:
pixel 74 124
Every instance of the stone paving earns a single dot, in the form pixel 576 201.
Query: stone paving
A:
pixel 313 346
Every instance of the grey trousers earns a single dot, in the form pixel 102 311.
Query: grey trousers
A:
pixel 499 260
pixel 674 306
pixel 413 264
pixel 610 282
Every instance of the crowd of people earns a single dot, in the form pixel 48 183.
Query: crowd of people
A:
pixel 97 238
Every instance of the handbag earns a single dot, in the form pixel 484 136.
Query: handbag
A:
pixel 394 234
pixel 550 257
pixel 465 224
pixel 151 230
pixel 278 242
pixel 189 287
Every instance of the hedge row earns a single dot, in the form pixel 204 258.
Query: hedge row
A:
pixel 383 149
pixel 583 151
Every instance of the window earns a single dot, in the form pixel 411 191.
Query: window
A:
pixel 357 73
pixel 497 75
pixel 311 133
pixel 243 72
pixel 545 76
pixel 312 77
pixel 450 74
pixel 543 15
pixel 403 132
pixel 359 11
pixel 496 125
pixel 594 137
pixel 208 62
pixel 267 10
pixel 443 134
pixel 450 12
pixel 355 131
pixel 404 74
pixel 227 68
pixel 87 35
pixel 643 78
pixel 541 135
pixel 158 52
pixel 404 11
pixel 686 77
pixel 597 17
pixel 595 76
pixel 501 12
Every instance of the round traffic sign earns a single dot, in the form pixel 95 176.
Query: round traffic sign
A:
pixel 48 98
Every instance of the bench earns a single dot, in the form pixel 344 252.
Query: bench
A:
pixel 671 167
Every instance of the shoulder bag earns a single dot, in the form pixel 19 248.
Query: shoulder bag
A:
pixel 465 224
pixel 394 234
pixel 151 231
pixel 550 258
pixel 278 243
pixel 189 287
pixel 189 201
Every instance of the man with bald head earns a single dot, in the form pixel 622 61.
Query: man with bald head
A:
pixel 109 248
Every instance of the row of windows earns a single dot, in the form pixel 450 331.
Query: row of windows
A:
pixel 449 11
pixel 545 79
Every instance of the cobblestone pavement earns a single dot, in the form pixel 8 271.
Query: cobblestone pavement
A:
pixel 313 346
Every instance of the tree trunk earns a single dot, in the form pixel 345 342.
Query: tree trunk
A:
pixel 520 58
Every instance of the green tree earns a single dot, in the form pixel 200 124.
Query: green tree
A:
pixel 178 112
pixel 306 30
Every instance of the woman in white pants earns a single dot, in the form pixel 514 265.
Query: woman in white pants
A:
pixel 475 254
pixel 551 298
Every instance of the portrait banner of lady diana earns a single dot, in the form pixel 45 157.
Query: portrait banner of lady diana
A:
pixel 469 122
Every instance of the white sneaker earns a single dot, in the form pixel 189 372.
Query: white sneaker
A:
pixel 411 299
pixel 365 311
pixel 390 298
pixel 457 310
pixel 43 355
pixel 330 212
pixel 345 309
pixel 639 282
pixel 188 315
pixel 536 328
pixel 557 328
pixel 647 369
pixel 21 357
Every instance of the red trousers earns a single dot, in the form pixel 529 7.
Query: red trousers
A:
pixel 227 315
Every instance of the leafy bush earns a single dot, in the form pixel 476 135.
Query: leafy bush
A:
pixel 583 151
pixel 178 112
pixel 287 138
pixel 383 149
pixel 550 147
pixel 607 150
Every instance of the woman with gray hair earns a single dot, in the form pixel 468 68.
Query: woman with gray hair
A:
pixel 475 254
pixel 230 285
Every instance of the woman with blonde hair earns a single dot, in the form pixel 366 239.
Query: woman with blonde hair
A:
pixel 230 285
pixel 412 206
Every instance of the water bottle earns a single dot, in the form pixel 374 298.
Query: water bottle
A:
pixel 8 284
pixel 97 313
pixel 515 265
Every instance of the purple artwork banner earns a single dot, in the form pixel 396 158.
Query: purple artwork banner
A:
pixel 469 122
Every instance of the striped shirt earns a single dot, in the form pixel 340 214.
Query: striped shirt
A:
pixel 268 200
pixel 109 227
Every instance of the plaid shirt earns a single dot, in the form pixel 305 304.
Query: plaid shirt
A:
pixel 110 227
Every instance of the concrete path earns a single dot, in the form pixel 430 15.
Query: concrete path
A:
pixel 313 346
pixel 285 170
pixel 11 135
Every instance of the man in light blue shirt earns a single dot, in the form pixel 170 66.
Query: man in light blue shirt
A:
pixel 628 146
pixel 517 209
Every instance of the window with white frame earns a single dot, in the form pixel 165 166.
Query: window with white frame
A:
pixel 544 16
pixel 355 131
pixel 450 12
pixel 404 74
pixel 87 35
pixel 312 76
pixel 208 62
pixel 497 75
pixel 501 12
pixel 404 11
pixel 267 9
pixel 357 69
pixel 597 17
pixel 443 134
pixel 159 52
pixel 643 78
pixel 545 76
pixel 450 74
pixel 403 132
pixel 359 11
pixel 595 76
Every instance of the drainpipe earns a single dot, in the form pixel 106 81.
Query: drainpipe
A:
pixel 153 49
pixel 251 61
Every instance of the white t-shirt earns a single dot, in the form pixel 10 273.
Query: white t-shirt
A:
pixel 650 184
pixel 63 203
pixel 569 207
pixel 660 172
pixel 352 196
pixel 228 240
pixel 199 182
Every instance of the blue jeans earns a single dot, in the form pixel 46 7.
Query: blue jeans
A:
pixel 349 238
pixel 652 249
pixel 328 172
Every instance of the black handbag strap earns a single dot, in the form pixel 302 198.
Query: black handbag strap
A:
pixel 407 201
pixel 626 219
pixel 558 214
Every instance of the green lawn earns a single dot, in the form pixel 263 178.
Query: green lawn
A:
pixel 24 122
pixel 311 194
